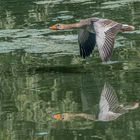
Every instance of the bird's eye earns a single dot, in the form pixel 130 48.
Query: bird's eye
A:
pixel 58 26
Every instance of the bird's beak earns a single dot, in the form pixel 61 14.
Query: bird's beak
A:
pixel 57 116
pixel 53 27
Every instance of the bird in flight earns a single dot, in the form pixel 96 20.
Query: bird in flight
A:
pixel 96 31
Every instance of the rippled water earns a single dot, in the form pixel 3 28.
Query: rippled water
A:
pixel 47 91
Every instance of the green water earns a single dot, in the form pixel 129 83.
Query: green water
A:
pixel 41 73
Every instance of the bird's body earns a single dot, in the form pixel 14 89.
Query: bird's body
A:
pixel 96 31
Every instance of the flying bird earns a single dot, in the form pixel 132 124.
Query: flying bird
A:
pixel 96 31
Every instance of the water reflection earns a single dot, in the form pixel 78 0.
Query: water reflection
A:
pixel 28 103
pixel 109 107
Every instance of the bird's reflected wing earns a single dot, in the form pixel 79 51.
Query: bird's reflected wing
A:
pixel 106 31
pixel 86 41
pixel 109 100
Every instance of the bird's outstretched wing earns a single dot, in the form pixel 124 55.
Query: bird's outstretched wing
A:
pixel 86 41
pixel 106 31
pixel 108 101
pixel 109 105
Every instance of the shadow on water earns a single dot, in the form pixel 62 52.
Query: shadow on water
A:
pixel 48 92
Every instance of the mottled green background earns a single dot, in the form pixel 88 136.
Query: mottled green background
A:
pixel 41 72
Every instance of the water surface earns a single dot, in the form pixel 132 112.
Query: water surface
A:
pixel 41 73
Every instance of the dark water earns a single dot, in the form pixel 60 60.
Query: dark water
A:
pixel 41 73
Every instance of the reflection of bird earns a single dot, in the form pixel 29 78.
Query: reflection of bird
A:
pixel 109 105
pixel 109 108
pixel 95 30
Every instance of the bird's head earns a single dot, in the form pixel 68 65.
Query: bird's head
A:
pixel 57 27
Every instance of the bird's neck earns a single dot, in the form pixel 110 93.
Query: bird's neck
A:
pixel 71 26
pixel 81 24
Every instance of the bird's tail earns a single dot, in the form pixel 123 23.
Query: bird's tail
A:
pixel 126 28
